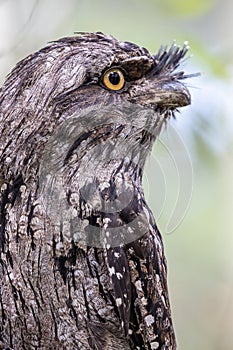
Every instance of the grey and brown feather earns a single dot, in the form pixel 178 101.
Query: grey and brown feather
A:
pixel 67 280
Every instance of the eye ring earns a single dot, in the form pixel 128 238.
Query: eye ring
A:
pixel 114 79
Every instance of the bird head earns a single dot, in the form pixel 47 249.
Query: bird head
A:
pixel 81 115
pixel 74 74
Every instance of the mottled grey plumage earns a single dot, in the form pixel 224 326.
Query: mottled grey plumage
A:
pixel 82 264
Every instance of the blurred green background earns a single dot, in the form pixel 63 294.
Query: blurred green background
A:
pixel 199 248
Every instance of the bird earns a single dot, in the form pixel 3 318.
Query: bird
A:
pixel 82 262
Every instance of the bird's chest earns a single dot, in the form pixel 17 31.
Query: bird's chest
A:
pixel 58 288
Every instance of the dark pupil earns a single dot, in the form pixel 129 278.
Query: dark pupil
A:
pixel 114 78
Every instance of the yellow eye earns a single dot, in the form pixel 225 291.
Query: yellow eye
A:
pixel 114 79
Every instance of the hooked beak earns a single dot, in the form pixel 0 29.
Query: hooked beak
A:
pixel 170 94
pixel 163 94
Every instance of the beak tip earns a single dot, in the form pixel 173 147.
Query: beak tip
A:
pixel 179 95
pixel 185 98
